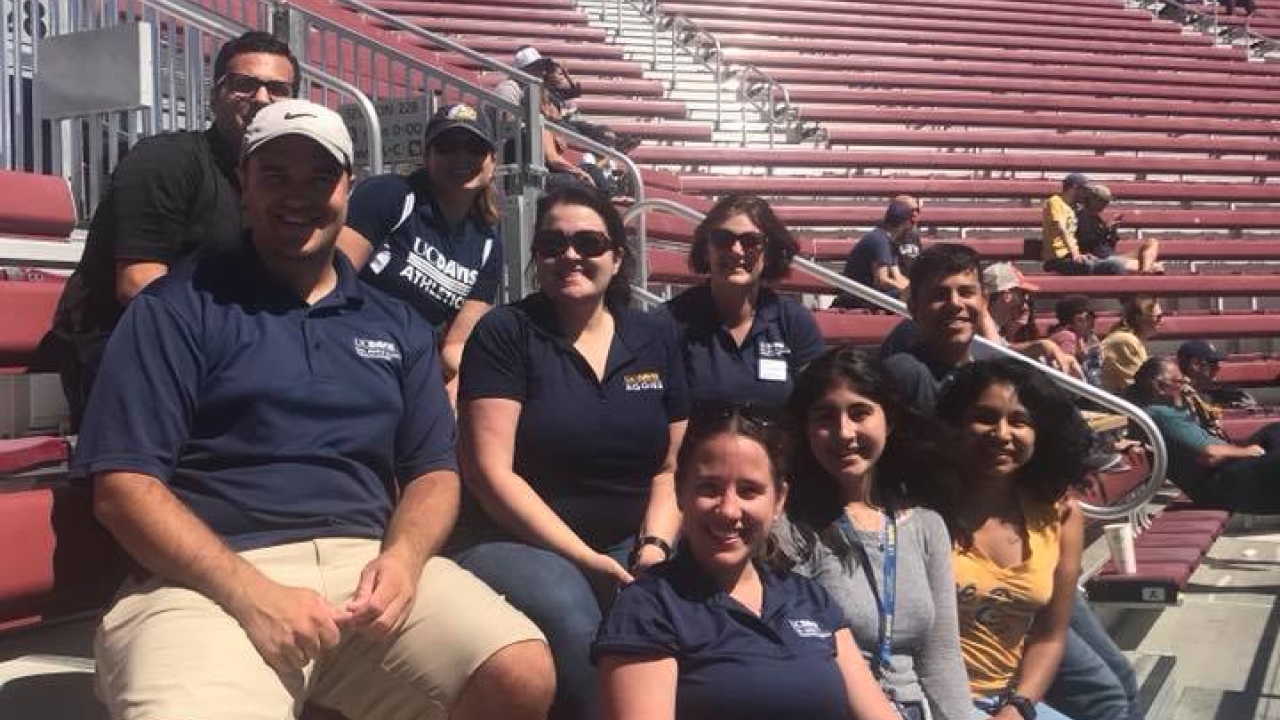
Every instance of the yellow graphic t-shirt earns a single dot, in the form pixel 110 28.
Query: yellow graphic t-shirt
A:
pixel 997 606
pixel 1057 213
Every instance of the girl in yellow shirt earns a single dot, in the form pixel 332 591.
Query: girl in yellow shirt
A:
pixel 1017 537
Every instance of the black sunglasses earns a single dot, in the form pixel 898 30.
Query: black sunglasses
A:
pixel 711 411
pixel 248 85
pixel 751 242
pixel 587 243
pixel 448 144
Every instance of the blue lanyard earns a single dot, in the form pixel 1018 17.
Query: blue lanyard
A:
pixel 886 599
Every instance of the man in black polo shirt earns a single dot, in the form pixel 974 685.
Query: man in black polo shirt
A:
pixel 275 447
pixel 174 195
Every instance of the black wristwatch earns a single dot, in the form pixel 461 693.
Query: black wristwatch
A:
pixel 654 540
pixel 1025 706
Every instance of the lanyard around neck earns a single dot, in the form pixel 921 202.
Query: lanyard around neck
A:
pixel 886 598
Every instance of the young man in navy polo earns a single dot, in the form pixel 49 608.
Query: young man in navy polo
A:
pixel 272 444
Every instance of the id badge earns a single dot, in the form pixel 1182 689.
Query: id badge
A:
pixel 772 370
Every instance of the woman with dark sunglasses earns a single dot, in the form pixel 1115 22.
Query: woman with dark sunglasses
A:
pixel 742 341
pixel 724 630
pixel 431 238
pixel 865 469
pixel 572 405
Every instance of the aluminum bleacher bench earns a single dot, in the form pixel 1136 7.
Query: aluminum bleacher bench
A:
pixel 860 161
pixel 1038 139
pixel 1035 190
pixel 979 118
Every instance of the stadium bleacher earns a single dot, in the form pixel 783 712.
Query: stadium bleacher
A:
pixel 1182 130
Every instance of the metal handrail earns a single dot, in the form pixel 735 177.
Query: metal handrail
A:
pixel 1160 454
pixel 687 34
pixel 1258 43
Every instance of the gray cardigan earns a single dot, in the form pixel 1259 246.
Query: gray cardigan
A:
pixel 926 660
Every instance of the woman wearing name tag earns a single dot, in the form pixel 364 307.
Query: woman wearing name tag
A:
pixel 571 407
pixel 1017 536
pixel 723 631
pixel 864 463
pixel 742 341
pixel 431 238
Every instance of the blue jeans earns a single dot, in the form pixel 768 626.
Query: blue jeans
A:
pixel 559 599
pixel 1094 679
pixel 984 708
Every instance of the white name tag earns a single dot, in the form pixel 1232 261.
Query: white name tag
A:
pixel 772 370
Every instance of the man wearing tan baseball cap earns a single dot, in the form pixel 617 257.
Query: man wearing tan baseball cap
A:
pixel 275 449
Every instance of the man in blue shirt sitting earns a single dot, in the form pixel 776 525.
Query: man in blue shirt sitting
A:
pixel 1209 469
pixel 879 259
pixel 271 443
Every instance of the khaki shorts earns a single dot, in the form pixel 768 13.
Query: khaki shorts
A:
pixel 169 653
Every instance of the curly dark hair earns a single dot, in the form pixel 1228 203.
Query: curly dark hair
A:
pixel 757 423
pixel 618 294
pixel 255 41
pixel 779 248
pixel 917 467
pixel 1057 463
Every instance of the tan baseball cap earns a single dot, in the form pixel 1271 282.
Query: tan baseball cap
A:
pixel 299 117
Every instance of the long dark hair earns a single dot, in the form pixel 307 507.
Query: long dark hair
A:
pixel 618 294
pixel 1057 463
pixel 755 423
pixel 915 469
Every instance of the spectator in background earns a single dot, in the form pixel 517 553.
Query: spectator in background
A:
pixel 725 630
pixel 1099 238
pixel 742 341
pixel 1249 6
pixel 1200 361
pixel 1074 333
pixel 173 196
pixel 571 406
pixel 431 239
pixel 1010 303
pixel 1123 349
pixel 877 259
pixel 1208 468
pixel 1059 240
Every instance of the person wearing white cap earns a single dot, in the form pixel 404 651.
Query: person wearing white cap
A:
pixel 276 451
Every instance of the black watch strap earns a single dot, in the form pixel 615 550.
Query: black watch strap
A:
pixel 653 540
pixel 1025 706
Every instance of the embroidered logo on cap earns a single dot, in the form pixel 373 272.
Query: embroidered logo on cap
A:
pixel 462 112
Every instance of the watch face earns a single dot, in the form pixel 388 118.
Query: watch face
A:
pixel 1024 706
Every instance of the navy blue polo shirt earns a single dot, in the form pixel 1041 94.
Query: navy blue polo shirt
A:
pixel 417 256
pixel 783 339
pixel 274 421
pixel 588 447
pixel 733 663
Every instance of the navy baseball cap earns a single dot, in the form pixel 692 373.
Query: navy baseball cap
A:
pixel 1199 350
pixel 459 115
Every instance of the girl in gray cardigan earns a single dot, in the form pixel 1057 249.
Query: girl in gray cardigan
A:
pixel 865 466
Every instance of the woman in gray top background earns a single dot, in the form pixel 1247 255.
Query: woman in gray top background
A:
pixel 861 451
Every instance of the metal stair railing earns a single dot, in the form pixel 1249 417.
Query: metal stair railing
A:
pixel 1257 44
pixel 1129 507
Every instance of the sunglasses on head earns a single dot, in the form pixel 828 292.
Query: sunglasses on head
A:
pixel 587 243
pixel 448 144
pixel 722 239
pixel 248 86
pixel 708 411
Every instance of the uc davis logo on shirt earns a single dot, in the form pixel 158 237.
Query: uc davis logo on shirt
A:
pixel 808 629
pixel 636 382
pixel 377 349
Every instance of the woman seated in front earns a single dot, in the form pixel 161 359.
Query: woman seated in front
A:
pixel 1017 536
pixel 722 631
pixel 742 341
pixel 866 468
pixel 571 407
